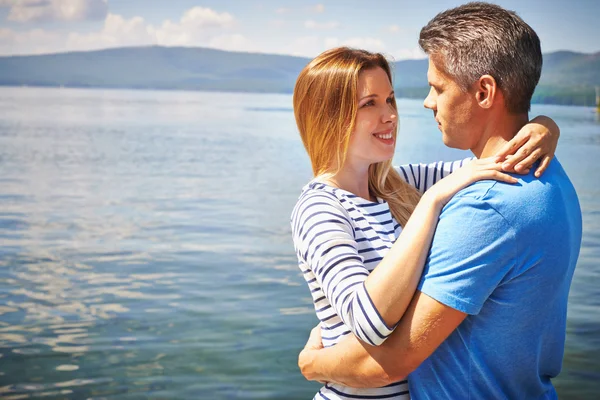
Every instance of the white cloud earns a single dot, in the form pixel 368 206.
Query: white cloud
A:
pixel 414 53
pixel 283 10
pixel 277 23
pixel 35 41
pixel 7 3
pixel 235 42
pixel 393 29
pixel 311 24
pixel 319 8
pixel 367 43
pixel 58 10
pixel 197 27
pixel 116 32
pixel 306 46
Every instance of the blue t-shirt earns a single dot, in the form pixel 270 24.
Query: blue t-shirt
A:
pixel 505 255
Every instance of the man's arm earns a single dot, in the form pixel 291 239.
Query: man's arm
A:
pixel 474 249
pixel 424 326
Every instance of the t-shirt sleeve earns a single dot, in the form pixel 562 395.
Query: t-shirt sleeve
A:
pixel 424 176
pixel 473 249
pixel 325 244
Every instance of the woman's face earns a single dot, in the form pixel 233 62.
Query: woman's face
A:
pixel 374 137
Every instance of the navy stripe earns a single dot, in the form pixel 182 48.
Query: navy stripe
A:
pixel 327 262
pixel 330 328
pixel 371 204
pixel 364 335
pixel 323 396
pixel 368 228
pixel 363 396
pixel 370 239
pixel 381 335
pixel 413 175
pixel 337 246
pixel 362 272
pixel 426 173
pixel 328 318
pixel 316 236
pixel 373 260
pixel 375 214
pixel 369 249
pixel 305 220
pixel 350 286
pixel 333 221
pixel 323 309
pixel 377 311
pixel 335 337
pixel 404 172
pixel 339 262
pixel 404 382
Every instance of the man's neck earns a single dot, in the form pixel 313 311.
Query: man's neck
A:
pixel 498 130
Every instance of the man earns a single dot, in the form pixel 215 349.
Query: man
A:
pixel 489 317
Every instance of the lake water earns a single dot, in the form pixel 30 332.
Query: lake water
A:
pixel 146 251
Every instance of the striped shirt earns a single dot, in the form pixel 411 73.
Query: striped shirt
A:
pixel 339 239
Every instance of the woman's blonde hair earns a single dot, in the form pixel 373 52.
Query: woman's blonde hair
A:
pixel 325 107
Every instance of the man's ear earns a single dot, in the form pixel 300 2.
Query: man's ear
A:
pixel 485 91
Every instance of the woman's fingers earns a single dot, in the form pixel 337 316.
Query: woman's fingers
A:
pixel 520 138
pixel 528 161
pixel 542 167
pixel 499 176
pixel 525 151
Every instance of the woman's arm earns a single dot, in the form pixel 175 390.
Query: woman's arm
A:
pixel 394 280
pixel 324 241
pixel 536 141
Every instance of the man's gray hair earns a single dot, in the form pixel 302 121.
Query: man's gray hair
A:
pixel 478 39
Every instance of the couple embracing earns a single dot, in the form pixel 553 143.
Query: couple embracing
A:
pixel 440 281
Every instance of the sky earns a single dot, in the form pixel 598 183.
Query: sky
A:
pixel 294 27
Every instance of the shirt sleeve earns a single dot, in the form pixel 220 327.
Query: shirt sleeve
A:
pixel 473 249
pixel 424 176
pixel 324 241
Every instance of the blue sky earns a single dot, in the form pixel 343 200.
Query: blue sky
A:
pixel 293 27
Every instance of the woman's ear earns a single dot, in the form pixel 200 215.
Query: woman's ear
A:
pixel 486 88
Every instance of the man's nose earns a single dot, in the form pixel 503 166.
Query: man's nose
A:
pixel 429 101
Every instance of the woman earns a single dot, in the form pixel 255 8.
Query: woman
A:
pixel 348 218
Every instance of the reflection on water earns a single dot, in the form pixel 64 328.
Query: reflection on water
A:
pixel 146 247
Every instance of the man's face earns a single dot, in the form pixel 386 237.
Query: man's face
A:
pixel 454 110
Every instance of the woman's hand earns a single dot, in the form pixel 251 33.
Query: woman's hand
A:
pixel 476 170
pixel 535 141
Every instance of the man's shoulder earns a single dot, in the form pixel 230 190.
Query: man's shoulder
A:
pixel 517 202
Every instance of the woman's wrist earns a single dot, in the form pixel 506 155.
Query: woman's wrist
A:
pixel 433 198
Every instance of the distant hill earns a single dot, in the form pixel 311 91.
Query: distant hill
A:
pixel 567 77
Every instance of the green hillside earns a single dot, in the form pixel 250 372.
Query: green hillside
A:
pixel 567 77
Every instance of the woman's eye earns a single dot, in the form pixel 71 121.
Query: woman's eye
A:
pixel 368 103
pixel 390 100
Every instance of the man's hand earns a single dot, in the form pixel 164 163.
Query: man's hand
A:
pixel 305 358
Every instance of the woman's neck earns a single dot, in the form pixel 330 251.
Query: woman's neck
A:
pixel 353 180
